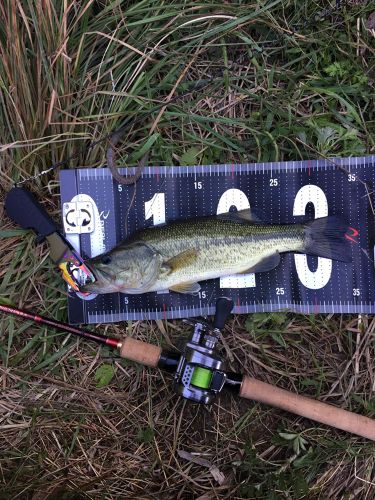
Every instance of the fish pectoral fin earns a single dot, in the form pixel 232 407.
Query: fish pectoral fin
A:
pixel 265 264
pixel 191 288
pixel 181 260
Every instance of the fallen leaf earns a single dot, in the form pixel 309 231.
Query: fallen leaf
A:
pixel 189 157
pixel 104 375
pixel 215 472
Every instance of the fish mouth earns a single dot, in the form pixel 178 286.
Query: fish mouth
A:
pixel 103 281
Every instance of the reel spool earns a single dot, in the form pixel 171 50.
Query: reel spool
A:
pixel 199 375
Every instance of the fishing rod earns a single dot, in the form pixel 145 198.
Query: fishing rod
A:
pixel 199 374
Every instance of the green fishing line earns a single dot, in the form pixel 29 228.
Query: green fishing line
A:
pixel 201 377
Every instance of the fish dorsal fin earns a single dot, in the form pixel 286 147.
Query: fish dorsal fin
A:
pixel 243 216
pixel 265 264
pixel 183 259
pixel 191 288
pixel 135 245
pixel 249 215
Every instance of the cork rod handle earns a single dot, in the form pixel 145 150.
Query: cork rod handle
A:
pixel 140 352
pixel 309 408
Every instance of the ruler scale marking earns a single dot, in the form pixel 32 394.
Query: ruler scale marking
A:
pixel 180 185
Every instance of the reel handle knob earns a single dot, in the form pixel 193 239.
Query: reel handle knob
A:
pixel 224 307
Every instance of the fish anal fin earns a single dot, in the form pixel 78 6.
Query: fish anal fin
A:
pixel 266 264
pixel 191 288
pixel 181 260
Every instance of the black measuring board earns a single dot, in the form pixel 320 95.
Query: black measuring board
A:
pixel 283 192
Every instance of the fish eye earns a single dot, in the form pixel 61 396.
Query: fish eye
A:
pixel 106 259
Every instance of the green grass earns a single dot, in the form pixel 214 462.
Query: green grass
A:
pixel 271 81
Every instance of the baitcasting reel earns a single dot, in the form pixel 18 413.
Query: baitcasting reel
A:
pixel 199 375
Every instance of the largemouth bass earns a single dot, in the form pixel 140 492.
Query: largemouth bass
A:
pixel 178 255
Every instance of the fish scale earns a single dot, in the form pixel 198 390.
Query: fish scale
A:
pixel 183 253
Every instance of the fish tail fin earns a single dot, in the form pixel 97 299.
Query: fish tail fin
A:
pixel 325 237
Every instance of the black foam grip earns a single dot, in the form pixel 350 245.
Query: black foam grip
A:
pixel 224 307
pixel 23 208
